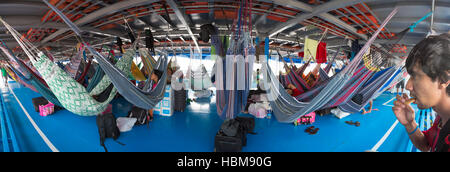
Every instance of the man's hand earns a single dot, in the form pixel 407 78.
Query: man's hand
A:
pixel 404 111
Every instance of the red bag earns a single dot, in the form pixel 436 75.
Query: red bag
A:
pixel 321 55
pixel 301 54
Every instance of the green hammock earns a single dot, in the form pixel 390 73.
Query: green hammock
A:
pixel 69 92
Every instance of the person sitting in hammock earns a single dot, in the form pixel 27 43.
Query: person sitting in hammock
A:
pixel 156 75
pixel 292 90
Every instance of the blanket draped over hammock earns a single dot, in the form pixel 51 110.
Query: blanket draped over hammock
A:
pixel 288 109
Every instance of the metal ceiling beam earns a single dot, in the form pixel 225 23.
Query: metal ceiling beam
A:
pixel 22 4
pixel 183 21
pixel 122 5
pixel 13 43
pixel 56 25
pixel 22 20
pixel 321 11
pixel 379 4
pixel 296 4
pixel 263 17
pixel 342 24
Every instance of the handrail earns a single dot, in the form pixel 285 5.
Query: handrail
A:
pixel 8 137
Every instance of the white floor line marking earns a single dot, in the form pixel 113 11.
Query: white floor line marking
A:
pixel 386 103
pixel 46 140
pixel 386 135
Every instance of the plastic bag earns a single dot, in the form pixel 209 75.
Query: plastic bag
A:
pixel 125 124
pixel 258 110
pixel 338 113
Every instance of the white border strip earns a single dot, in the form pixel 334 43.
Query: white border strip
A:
pixel 46 140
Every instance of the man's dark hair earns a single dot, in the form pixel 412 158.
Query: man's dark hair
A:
pixel 432 55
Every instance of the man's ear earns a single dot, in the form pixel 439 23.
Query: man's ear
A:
pixel 446 84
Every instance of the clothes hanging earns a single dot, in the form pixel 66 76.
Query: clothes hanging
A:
pixel 321 54
pixel 310 49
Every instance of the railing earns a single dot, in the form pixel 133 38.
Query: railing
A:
pixel 8 138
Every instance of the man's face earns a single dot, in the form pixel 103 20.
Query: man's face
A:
pixel 427 92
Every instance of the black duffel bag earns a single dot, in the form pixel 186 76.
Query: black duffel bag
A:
pixel 140 114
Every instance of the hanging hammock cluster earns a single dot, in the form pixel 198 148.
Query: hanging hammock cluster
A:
pixel 350 89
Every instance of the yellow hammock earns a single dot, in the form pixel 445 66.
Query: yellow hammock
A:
pixel 11 74
pixel 137 74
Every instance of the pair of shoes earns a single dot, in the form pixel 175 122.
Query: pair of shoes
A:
pixel 353 123
pixel 311 130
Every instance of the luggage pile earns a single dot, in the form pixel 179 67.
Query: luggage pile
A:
pixel 232 135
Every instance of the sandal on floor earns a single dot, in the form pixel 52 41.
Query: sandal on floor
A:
pixel 314 131
pixel 349 122
pixel 309 129
pixel 357 123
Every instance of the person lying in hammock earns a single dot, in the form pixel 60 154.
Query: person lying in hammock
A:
pixel 292 90
pixel 156 75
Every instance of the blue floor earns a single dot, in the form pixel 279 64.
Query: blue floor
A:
pixel 194 130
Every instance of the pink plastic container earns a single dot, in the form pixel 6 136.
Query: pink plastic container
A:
pixel 307 119
pixel 45 110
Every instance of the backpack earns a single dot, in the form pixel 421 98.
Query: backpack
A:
pixel 230 127
pixel 247 124
pixel 149 41
pixel 140 114
pixel 107 128
pixel 206 31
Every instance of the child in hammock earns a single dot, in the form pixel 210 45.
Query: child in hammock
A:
pixel 292 90
pixel 156 75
